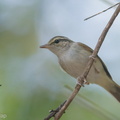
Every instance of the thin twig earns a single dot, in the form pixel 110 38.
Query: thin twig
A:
pixel 101 12
pixel 88 66
pixel 53 112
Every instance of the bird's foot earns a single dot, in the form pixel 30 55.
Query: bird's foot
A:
pixel 86 82
pixel 81 81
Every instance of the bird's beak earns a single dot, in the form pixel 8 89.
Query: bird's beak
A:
pixel 45 46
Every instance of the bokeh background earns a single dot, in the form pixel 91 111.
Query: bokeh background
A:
pixel 32 81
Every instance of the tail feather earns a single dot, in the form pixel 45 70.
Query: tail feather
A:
pixel 115 91
pixel 111 87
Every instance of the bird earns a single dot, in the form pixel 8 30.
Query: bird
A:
pixel 73 58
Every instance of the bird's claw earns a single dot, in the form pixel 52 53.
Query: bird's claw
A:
pixel 81 83
pixel 86 82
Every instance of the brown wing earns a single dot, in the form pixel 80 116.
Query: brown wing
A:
pixel 104 66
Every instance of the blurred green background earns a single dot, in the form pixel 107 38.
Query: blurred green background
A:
pixel 32 81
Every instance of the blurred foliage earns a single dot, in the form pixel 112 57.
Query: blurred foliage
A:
pixel 32 82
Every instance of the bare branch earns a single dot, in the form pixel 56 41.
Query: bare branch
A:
pixel 101 12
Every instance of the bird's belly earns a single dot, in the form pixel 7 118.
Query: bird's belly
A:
pixel 76 68
pixel 73 68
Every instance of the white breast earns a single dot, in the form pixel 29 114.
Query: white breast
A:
pixel 74 61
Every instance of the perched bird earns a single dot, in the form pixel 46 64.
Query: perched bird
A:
pixel 73 58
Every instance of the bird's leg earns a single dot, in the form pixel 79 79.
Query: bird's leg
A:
pixel 80 82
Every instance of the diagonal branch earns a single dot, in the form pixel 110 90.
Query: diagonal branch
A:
pixel 101 11
pixel 88 66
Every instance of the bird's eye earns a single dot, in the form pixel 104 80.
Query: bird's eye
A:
pixel 57 41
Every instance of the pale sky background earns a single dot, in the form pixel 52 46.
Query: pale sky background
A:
pixel 31 78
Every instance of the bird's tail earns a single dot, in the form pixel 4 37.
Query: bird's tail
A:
pixel 115 91
pixel 112 88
